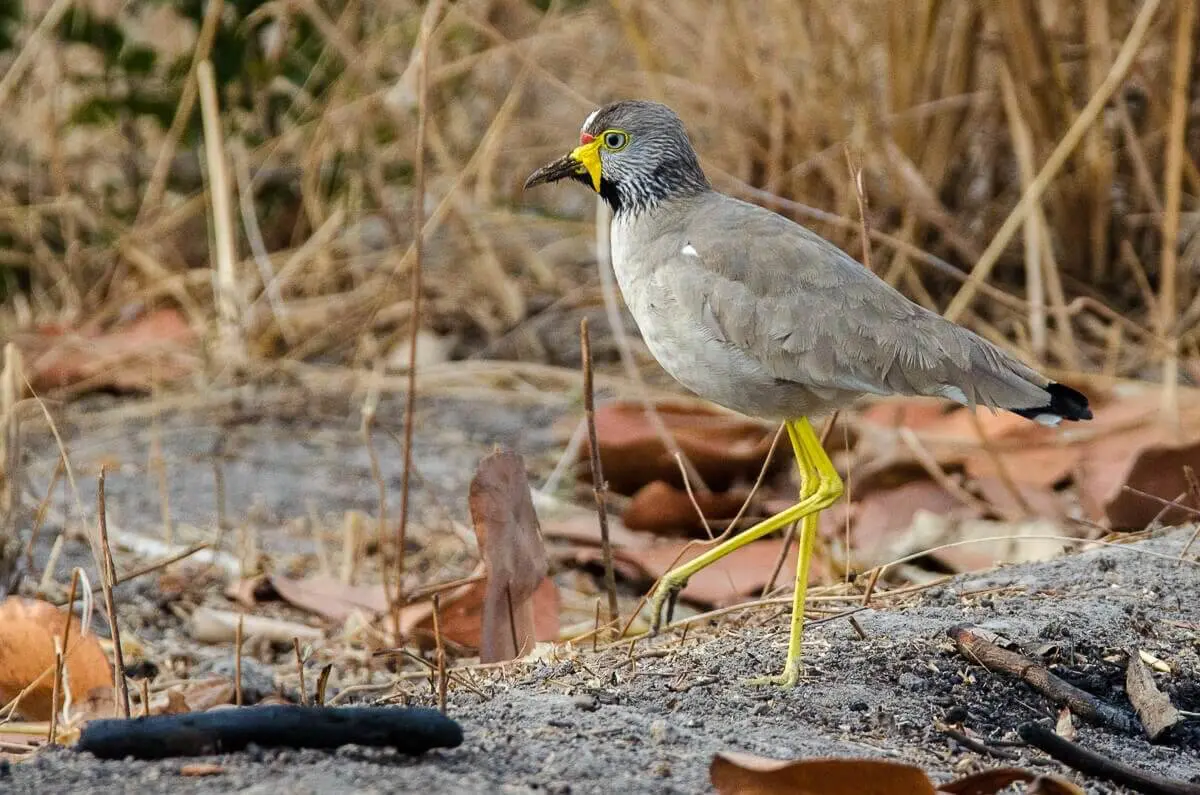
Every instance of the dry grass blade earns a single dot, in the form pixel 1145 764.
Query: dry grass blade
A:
pixel 599 487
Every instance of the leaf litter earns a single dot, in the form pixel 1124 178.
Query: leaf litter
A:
pixel 354 601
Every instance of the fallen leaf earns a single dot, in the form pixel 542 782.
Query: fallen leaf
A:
pixel 744 774
pixel 514 555
pixel 724 448
pixel 461 615
pixel 1153 707
pixel 990 782
pixel 208 625
pixel 661 508
pixel 1149 460
pixel 327 597
pixel 1064 727
pixel 157 347
pixel 883 513
pixel 201 694
pixel 1040 501
pixel 727 581
pixel 28 628
pixel 1052 785
pixel 995 542
pixel 1043 466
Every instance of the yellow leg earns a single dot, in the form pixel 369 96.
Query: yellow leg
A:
pixel 820 487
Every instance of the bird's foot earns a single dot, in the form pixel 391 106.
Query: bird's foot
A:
pixel 665 594
pixel 787 679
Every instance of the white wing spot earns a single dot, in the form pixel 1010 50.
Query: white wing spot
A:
pixel 588 121
pixel 1049 420
pixel 688 251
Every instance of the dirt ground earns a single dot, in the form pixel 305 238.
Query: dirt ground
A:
pixel 583 722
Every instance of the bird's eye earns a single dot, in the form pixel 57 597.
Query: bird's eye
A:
pixel 614 140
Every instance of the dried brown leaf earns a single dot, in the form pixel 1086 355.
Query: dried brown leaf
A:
pixel 513 553
pixel 723 447
pixel 157 347
pixel 745 774
pixel 990 782
pixel 28 628
pixel 326 597
pixel 661 508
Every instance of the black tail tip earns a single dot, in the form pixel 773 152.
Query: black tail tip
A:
pixel 1065 404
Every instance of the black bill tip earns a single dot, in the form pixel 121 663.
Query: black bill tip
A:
pixel 565 166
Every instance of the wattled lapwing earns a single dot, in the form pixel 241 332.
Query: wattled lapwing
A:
pixel 754 312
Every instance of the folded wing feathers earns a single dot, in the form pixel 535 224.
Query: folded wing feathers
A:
pixel 812 315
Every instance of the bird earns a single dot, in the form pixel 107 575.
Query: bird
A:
pixel 754 312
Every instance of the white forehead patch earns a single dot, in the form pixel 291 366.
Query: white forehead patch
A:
pixel 588 121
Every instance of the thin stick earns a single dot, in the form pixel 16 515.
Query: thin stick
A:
pixel 145 688
pixel 596 625
pixel 1093 764
pixel 55 691
pixel 599 486
pixel 322 685
pixel 440 653
pixel 238 639
pixel 183 111
pixel 1095 105
pixel 512 621
pixel 300 671
pixel 108 576
pixel 60 648
pixel 151 567
pixel 1168 294
pixel 39 518
pixel 224 250
pixel 414 325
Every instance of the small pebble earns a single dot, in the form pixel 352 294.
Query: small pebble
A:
pixel 586 703
pixel 859 706
pixel 910 681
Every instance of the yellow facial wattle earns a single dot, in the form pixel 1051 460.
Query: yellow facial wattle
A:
pixel 588 156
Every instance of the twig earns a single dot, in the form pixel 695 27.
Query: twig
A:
pixel 599 487
pixel 150 567
pixel 1056 160
pixel 978 747
pixel 183 111
pixel 145 689
pixel 238 638
pixel 432 11
pixel 56 689
pixel 440 654
pixel 322 684
pixel 1093 764
pixel 973 645
pixel 108 576
pixel 1168 292
pixel 60 651
pixel 512 620
pixel 39 518
pixel 299 670
pixel 229 330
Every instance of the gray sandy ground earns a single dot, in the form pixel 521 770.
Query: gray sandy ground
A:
pixel 595 724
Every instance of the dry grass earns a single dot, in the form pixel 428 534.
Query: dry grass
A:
pixel 953 109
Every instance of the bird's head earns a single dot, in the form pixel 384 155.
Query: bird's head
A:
pixel 633 153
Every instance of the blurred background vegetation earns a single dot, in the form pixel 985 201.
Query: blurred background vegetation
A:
pixel 951 107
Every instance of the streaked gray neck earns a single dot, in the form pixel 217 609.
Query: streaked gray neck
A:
pixel 675 178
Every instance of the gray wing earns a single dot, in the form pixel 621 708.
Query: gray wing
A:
pixel 810 314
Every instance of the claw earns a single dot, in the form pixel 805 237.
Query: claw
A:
pixel 787 679
pixel 668 592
